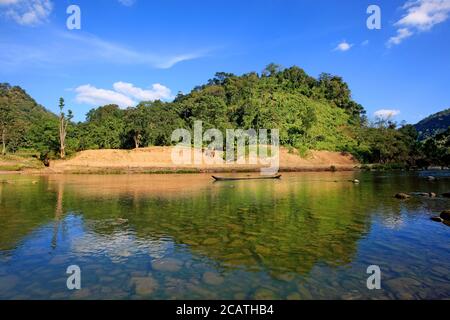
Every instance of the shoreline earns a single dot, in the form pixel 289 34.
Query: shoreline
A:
pixel 162 170
pixel 158 160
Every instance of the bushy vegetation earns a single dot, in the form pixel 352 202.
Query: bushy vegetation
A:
pixel 311 113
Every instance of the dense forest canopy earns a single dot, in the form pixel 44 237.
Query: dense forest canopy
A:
pixel 311 113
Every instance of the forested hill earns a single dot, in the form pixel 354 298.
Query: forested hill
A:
pixel 311 113
pixel 23 105
pixel 26 121
pixel 434 124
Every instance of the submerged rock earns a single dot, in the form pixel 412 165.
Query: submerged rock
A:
pixel 144 285
pixel 212 278
pixel 420 194
pixel 445 215
pixel 264 294
pixel 423 194
pixel 167 265
pixel 8 283
pixel 81 294
pixel 211 241
pixel 402 195
pixel 294 296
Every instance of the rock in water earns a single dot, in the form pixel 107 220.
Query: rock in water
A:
pixel 431 178
pixel 437 219
pixel 402 195
pixel 446 194
pixel 432 195
pixel 212 278
pixel 167 265
pixel 144 285
pixel 445 215
pixel 420 194
pixel 264 294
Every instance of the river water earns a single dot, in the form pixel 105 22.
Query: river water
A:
pixel 306 236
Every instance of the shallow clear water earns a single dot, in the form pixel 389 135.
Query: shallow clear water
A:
pixel 307 236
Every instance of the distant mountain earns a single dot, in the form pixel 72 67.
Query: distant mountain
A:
pixel 434 124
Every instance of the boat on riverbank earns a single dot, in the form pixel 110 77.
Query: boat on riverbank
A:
pixel 278 176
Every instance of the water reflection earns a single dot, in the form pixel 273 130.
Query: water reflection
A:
pixel 182 236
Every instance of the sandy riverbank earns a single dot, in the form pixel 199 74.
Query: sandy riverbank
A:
pixel 159 160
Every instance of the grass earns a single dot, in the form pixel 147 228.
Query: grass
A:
pixel 19 161
pixel 11 167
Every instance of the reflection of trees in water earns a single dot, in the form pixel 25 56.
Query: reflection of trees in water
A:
pixel 58 213
pixel 277 226
pixel 24 208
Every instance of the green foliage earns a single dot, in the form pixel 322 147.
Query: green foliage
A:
pixel 27 123
pixel 310 113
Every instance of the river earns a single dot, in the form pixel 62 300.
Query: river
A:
pixel 306 236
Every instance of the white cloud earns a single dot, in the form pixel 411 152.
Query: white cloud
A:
pixel 402 34
pixel 68 48
pixel 117 53
pixel 420 15
pixel 424 14
pixel 343 46
pixel 365 43
pixel 124 94
pixel 27 12
pixel 93 96
pixel 7 2
pixel 386 113
pixel 158 91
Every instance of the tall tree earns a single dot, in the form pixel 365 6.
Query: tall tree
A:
pixel 63 123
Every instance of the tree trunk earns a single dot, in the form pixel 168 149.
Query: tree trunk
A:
pixel 3 141
pixel 136 141
pixel 62 138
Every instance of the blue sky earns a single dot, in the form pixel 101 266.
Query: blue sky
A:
pixel 127 51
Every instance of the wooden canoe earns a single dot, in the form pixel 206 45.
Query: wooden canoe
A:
pixel 246 178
